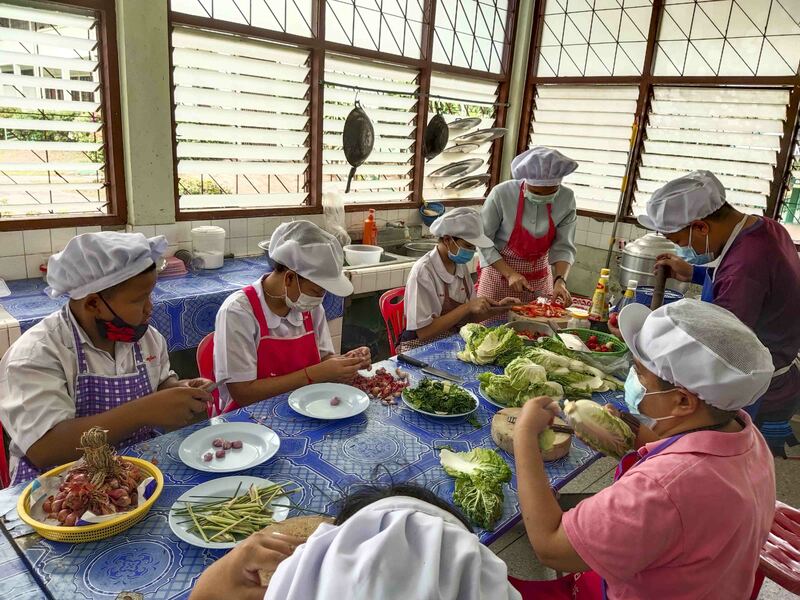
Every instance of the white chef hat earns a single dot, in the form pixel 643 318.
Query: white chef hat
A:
pixel 700 347
pixel 312 253
pixel 394 549
pixel 677 203
pixel 542 166
pixel 464 223
pixel 93 262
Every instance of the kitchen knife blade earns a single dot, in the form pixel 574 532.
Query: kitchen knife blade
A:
pixel 429 370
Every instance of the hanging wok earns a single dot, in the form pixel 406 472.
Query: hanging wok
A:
pixel 437 134
pixel 358 139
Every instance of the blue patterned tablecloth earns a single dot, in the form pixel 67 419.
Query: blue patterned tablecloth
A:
pixel 322 458
pixel 184 308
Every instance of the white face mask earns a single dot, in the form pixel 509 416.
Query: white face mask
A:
pixel 540 199
pixel 304 302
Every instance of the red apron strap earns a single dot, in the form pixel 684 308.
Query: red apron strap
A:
pixel 308 321
pixel 258 311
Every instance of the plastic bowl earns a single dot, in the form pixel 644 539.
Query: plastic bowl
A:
pixel 362 254
pixel 436 207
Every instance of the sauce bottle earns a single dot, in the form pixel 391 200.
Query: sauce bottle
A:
pixel 598 314
pixel 370 236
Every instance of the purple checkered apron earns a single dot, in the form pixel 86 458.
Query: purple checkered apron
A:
pixel 98 393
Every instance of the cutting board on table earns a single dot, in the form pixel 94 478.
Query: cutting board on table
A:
pixel 560 322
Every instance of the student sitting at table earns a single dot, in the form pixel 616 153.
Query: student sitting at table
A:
pixel 397 542
pixel 440 295
pixel 272 337
pixel 689 513
pixel 94 362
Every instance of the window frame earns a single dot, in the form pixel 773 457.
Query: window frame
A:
pixel 112 120
pixel 647 81
pixel 318 46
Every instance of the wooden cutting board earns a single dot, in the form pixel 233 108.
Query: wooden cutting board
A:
pixel 559 322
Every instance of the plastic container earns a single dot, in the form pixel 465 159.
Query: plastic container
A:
pixel 431 207
pixel 599 310
pixel 370 237
pixel 96 531
pixel 208 247
pixel 362 254
pixel 629 297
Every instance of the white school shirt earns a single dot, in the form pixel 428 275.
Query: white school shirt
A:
pixel 424 294
pixel 38 375
pixel 237 334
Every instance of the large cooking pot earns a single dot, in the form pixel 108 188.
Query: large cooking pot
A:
pixel 639 258
pixel 418 249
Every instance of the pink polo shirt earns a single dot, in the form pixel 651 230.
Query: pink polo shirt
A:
pixel 687 523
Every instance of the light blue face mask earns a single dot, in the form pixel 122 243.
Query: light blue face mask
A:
pixel 540 199
pixel 635 392
pixel 461 257
pixel 691 256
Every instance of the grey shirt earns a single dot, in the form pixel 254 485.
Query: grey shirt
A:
pixel 500 211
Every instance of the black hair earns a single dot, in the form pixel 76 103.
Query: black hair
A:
pixel 365 495
pixel 717 414
pixel 110 291
pixel 723 212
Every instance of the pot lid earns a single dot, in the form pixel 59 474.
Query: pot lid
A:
pixel 650 246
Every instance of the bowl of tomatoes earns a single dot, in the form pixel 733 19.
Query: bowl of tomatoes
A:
pixel 530 331
pixel 600 343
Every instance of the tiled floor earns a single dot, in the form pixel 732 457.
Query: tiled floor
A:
pixel 516 551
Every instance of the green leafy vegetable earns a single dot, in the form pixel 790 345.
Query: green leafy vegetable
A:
pixel 440 397
pixel 480 475
pixel 600 429
pixel 523 372
pixel 512 392
pixel 485 345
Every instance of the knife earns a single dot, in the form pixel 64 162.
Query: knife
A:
pixel 429 370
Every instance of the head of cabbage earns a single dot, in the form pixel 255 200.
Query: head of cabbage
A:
pixel 599 429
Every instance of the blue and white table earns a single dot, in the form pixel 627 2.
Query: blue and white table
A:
pixel 322 458
pixel 184 307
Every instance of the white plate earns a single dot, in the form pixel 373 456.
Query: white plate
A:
pixel 224 486
pixel 488 398
pixel 259 444
pixel 430 414
pixel 315 401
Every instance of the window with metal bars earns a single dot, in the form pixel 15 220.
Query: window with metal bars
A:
pixel 241 121
pixel 462 171
pixel 54 161
pixel 591 124
pixel 388 94
pixel 733 132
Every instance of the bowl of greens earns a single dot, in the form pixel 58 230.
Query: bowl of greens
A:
pixel 440 399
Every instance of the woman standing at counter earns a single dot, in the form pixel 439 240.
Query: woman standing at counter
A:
pixel 531 221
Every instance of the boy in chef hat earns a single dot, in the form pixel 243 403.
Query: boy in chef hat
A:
pixel 272 337
pixel 440 295
pixel 94 362
pixel 688 512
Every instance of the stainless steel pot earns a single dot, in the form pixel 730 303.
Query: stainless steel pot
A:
pixel 639 258
pixel 418 249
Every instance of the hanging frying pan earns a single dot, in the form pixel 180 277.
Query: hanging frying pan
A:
pixel 358 139
pixel 470 182
pixel 464 124
pixel 462 148
pixel 436 136
pixel 481 136
pixel 458 169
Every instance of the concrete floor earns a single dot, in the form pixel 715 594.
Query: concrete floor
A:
pixel 516 551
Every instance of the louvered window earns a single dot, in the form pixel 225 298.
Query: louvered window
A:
pixel 592 125
pixel 52 154
pixel 462 102
pixel 735 133
pixel 391 104
pixel 241 115
pixel 790 210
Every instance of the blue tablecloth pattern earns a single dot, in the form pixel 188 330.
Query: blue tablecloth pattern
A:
pixel 322 459
pixel 184 308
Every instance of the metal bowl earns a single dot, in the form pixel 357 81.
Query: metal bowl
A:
pixel 418 249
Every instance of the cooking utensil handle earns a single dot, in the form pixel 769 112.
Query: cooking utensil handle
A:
pixel 658 288
pixel 411 361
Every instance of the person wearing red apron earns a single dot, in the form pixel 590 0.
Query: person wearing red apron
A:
pixel 531 221
pixel 689 512
pixel 439 296
pixel 272 337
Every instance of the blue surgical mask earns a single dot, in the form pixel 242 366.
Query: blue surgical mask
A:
pixel 461 257
pixel 635 392
pixel 691 256
pixel 540 199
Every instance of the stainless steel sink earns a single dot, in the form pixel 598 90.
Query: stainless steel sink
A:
pixel 386 259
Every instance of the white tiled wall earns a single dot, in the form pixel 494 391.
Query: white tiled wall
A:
pixel 595 234
pixel 335 327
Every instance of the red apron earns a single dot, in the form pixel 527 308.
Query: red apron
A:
pixel 280 355
pixel 527 255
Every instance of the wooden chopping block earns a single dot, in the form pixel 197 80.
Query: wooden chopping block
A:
pixel 503 435
pixel 299 527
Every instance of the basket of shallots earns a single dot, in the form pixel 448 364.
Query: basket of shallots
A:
pixel 95 497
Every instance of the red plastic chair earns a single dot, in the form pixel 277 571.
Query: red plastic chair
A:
pixel 5 476
pixel 391 305
pixel 205 366
pixel 780 556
